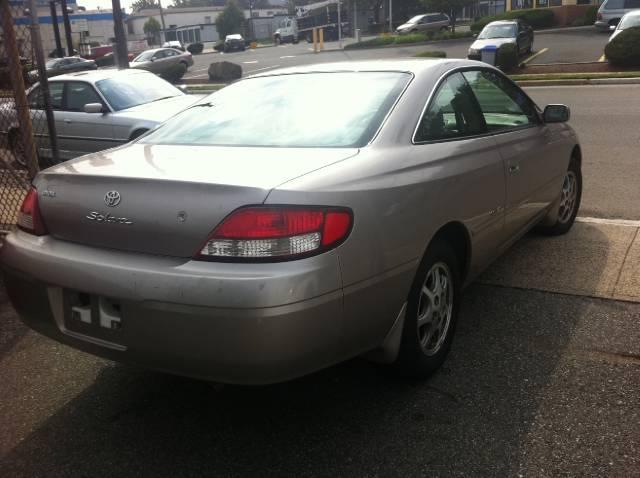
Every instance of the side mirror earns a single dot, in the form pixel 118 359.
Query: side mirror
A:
pixel 556 114
pixel 612 27
pixel 93 108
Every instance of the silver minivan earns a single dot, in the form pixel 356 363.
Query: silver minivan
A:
pixel 611 11
pixel 429 22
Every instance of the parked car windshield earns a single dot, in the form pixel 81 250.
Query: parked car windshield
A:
pixel 144 56
pixel 52 63
pixel 284 111
pixel 497 31
pixel 126 91
pixel 629 21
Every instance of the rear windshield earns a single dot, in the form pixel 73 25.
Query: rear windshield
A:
pixel 303 110
pixel 620 4
pixel 498 31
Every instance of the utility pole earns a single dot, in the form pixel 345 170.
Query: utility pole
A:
pixel 36 40
pixel 355 17
pixel 390 16
pixel 163 34
pixel 67 26
pixel 17 81
pixel 339 26
pixel 56 29
pixel 121 53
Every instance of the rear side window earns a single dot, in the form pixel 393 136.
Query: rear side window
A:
pixel 36 101
pixel 614 4
pixel 504 105
pixel 632 4
pixel 452 113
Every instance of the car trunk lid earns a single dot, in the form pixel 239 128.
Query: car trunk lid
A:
pixel 162 199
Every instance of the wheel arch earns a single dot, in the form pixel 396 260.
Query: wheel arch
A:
pixel 457 236
pixel 576 153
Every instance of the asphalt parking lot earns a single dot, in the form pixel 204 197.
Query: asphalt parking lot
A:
pixel 568 45
pixel 543 378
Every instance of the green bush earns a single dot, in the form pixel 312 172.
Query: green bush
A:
pixel 407 39
pixel 174 72
pixel 590 15
pixel 410 38
pixel 624 50
pixel 431 54
pixel 195 48
pixel 578 22
pixel 507 57
pixel 537 18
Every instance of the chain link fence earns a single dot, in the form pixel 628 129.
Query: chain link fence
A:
pixel 25 140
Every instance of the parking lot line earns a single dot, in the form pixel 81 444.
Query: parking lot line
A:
pixel 535 55
pixel 609 222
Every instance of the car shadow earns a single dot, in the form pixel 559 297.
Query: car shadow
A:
pixel 473 417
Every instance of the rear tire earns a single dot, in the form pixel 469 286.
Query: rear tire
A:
pixel 432 312
pixel 569 202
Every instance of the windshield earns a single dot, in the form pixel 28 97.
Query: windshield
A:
pixel 127 91
pixel 144 56
pixel 51 63
pixel 629 21
pixel 416 19
pixel 284 111
pixel 498 31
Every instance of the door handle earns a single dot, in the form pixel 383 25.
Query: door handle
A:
pixel 514 168
pixel 67 121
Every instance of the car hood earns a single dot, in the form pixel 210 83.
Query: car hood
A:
pixel 160 111
pixel 480 44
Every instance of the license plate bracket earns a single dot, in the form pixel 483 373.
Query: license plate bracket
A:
pixel 93 316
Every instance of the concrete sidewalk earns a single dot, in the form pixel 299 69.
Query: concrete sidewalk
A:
pixel 598 258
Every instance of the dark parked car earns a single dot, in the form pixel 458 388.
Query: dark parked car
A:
pixel 61 66
pixel 234 42
pixel 500 32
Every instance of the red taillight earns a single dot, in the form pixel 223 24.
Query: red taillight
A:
pixel 29 217
pixel 599 16
pixel 277 233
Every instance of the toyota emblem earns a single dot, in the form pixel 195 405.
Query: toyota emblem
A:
pixel 112 198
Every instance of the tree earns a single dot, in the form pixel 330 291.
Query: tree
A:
pixel 152 28
pixel 450 7
pixel 230 20
pixel 142 4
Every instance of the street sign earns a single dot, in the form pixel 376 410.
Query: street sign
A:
pixel 79 25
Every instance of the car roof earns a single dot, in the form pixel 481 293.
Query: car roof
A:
pixel 632 13
pixel 414 66
pixel 97 75
pixel 504 22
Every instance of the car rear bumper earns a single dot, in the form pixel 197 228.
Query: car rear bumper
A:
pixel 234 323
pixel 602 25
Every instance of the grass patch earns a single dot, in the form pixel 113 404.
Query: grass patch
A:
pixel 576 76
pixel 205 87
pixel 431 54
pixel 385 40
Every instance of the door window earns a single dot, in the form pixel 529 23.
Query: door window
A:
pixel 452 113
pixel 36 101
pixel 503 104
pixel 614 4
pixel 159 54
pixel 80 94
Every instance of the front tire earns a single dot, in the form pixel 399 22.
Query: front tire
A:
pixel 568 203
pixel 432 312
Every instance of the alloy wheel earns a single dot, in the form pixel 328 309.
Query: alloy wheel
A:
pixel 435 308
pixel 568 197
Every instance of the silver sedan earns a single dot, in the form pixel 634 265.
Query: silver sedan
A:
pixel 294 220
pixel 101 109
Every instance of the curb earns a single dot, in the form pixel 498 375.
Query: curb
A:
pixel 574 82
pixel 565 29
pixel 394 45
